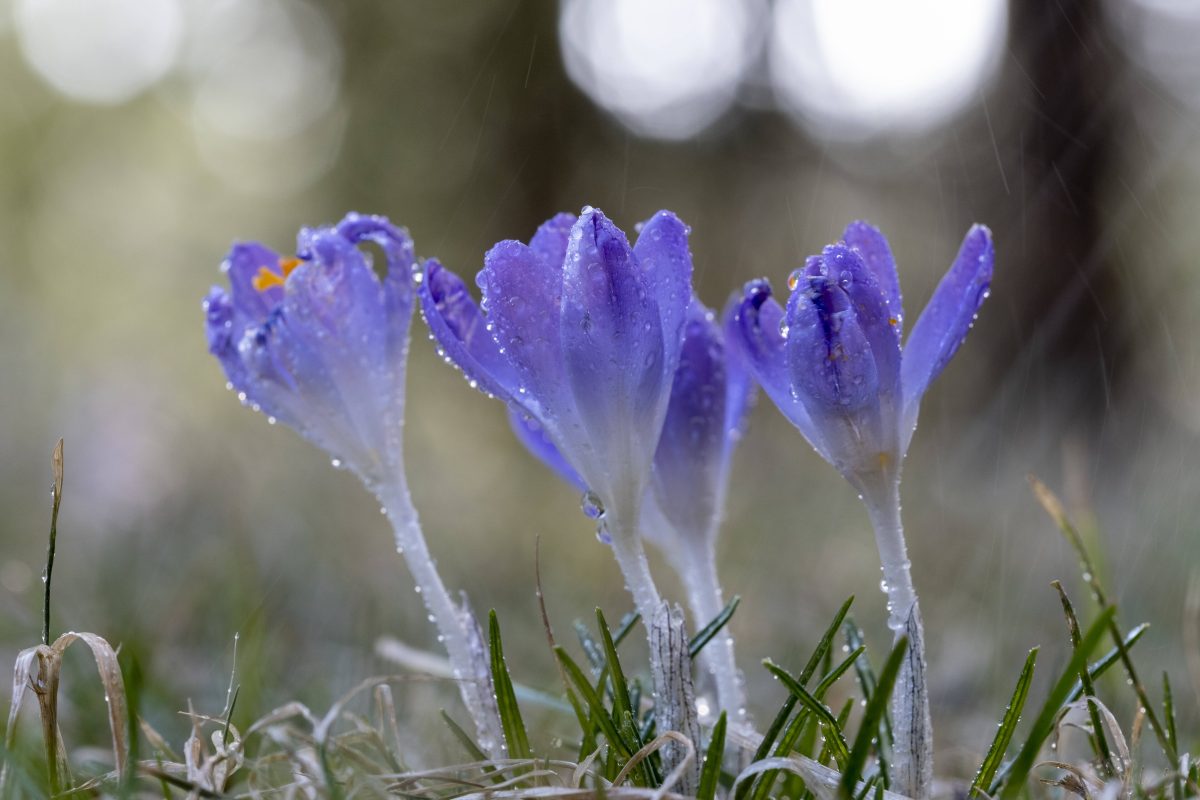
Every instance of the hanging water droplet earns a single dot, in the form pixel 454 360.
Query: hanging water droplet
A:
pixel 336 463
pixel 591 505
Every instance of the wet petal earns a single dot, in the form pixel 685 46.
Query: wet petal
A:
pixel 688 464
pixel 871 244
pixel 612 352
pixel 461 333
pixel 828 354
pixel 243 264
pixel 873 312
pixel 550 241
pixel 521 298
pixel 944 323
pixel 662 251
pixel 753 327
pixel 531 434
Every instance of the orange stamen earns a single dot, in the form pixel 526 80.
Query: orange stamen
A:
pixel 267 277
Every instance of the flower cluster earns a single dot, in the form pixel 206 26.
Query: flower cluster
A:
pixel 621 381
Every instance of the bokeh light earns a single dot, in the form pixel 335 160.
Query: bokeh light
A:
pixel 99 51
pixel 262 69
pixel 856 68
pixel 665 68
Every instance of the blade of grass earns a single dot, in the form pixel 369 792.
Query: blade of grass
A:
pixel 622 707
pixel 591 699
pixel 868 729
pixel 1103 664
pixel 833 732
pixel 1008 726
pixel 1089 689
pixel 787 742
pixel 705 634
pixel 591 648
pixel 56 461
pixel 710 771
pixel 1019 767
pixel 1054 508
pixel 506 699
pixel 785 711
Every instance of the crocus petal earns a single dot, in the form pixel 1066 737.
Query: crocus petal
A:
pixel 944 323
pixel 550 241
pixel 533 436
pixel 688 464
pixel 662 251
pixel 753 326
pixel 740 390
pixel 871 245
pixel 243 264
pixel 460 330
pixel 224 327
pixel 828 353
pixel 874 314
pixel 613 353
pixel 521 299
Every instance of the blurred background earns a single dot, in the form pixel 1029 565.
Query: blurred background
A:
pixel 138 138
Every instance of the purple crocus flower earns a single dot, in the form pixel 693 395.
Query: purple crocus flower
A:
pixel 581 333
pixel 711 393
pixel 320 343
pixel 832 360
pixel 833 363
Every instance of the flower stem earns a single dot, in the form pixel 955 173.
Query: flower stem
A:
pixel 912 761
pixel 457 628
pixel 698 570
pixel 631 558
pixel 670 665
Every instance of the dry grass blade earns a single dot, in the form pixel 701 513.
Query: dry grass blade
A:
pixel 553 793
pixel 39 669
pixel 675 775
pixel 114 688
pixel 24 674
pixel 821 780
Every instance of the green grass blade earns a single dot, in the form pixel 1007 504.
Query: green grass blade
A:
pixel 1091 576
pixel 591 699
pixel 789 705
pixel 616 675
pixel 706 634
pixel 825 643
pixel 866 677
pixel 1103 664
pixel 506 699
pixel 1099 739
pixel 833 732
pixel 868 728
pixel 591 648
pixel 623 708
pixel 1008 726
pixel 710 771
pixel 1043 726
pixel 1169 712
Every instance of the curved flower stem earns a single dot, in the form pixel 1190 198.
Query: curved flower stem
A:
pixel 698 571
pixel 912 761
pixel 631 558
pixel 456 625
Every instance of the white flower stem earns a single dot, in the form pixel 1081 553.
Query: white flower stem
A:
pixel 456 626
pixel 697 568
pixel 912 761
pixel 670 665
pixel 631 558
